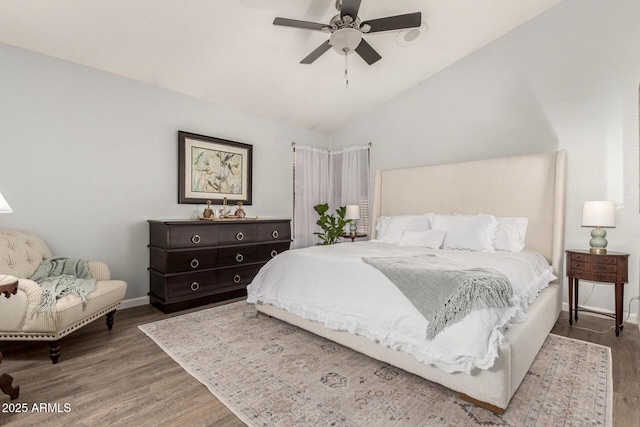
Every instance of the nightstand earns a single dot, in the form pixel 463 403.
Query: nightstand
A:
pixel 612 267
pixel 354 236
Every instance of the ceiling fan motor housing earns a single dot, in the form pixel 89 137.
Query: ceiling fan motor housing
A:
pixel 345 40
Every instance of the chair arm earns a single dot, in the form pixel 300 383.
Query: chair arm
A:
pixel 17 309
pixel 99 270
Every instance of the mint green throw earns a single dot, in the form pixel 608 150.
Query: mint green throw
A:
pixel 60 276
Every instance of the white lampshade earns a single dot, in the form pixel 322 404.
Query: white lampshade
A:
pixel 353 212
pixel 4 206
pixel 599 214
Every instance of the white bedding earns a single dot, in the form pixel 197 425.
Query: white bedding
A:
pixel 333 286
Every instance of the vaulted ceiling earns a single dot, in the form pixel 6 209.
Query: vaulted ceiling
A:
pixel 229 52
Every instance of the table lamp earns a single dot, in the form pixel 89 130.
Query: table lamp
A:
pixel 598 214
pixel 4 206
pixel 353 214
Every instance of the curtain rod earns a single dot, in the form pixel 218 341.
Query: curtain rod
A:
pixel 293 144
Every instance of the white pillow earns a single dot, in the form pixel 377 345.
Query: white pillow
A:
pixel 473 232
pixel 424 238
pixel 399 223
pixel 510 234
pixel 382 223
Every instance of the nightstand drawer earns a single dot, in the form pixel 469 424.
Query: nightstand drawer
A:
pixel 594 259
pixel 594 276
pixel 604 268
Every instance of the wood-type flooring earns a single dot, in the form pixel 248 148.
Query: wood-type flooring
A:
pixel 122 378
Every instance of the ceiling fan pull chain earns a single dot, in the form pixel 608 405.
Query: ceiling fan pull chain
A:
pixel 346 69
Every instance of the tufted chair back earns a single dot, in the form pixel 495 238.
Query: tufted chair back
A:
pixel 21 252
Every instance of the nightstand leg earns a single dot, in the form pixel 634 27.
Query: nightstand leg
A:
pixel 619 299
pixel 575 301
pixel 570 301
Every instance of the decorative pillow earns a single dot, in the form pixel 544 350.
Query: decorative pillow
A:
pixel 425 238
pixel 399 223
pixel 472 232
pixel 510 234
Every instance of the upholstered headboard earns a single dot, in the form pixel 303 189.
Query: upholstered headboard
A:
pixel 532 186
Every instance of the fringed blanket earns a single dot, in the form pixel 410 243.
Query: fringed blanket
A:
pixel 61 276
pixel 444 296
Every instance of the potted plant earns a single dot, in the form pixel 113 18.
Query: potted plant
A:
pixel 332 226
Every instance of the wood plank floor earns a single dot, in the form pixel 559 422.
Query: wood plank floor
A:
pixel 121 378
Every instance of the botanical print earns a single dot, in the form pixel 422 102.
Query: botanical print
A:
pixel 215 171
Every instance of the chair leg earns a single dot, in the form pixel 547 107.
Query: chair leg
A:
pixel 54 351
pixel 7 388
pixel 109 318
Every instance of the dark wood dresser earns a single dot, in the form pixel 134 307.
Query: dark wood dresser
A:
pixel 196 262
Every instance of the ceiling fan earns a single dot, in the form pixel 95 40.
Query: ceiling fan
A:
pixel 347 29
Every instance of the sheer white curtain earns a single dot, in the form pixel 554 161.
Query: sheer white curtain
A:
pixel 339 178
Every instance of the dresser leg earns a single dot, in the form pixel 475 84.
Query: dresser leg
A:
pixel 575 299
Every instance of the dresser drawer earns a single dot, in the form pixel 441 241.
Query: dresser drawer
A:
pixel 236 255
pixel 274 231
pixel 190 285
pixel 182 261
pixel 267 251
pixel 235 233
pixel 177 236
pixel 237 276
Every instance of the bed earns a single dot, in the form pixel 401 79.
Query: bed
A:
pixel 528 186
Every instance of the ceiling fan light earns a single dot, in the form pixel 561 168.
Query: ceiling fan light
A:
pixel 345 40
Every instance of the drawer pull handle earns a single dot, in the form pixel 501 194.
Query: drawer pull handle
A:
pixel 195 263
pixel 274 234
pixel 274 253
pixel 239 236
pixel 195 286
pixel 239 257
pixel 237 278
pixel 195 239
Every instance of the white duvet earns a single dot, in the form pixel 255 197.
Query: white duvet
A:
pixel 333 286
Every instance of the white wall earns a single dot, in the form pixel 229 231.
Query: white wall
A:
pixel 88 157
pixel 569 80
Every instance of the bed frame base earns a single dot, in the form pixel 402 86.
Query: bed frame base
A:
pixel 488 406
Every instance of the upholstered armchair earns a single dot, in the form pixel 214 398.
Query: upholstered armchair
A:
pixel 21 252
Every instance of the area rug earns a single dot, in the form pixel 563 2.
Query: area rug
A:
pixel 270 373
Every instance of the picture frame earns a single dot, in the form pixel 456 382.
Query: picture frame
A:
pixel 213 169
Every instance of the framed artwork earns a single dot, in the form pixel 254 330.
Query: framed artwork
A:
pixel 213 169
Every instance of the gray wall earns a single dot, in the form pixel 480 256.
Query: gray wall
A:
pixel 88 157
pixel 568 79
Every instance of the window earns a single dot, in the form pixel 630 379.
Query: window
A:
pixel 339 178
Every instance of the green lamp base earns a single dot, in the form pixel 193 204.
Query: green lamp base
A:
pixel 598 242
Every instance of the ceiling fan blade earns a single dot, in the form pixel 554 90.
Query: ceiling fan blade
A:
pixel 398 22
pixel 367 52
pixel 350 7
pixel 298 24
pixel 316 53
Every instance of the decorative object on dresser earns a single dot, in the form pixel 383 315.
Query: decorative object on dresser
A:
pixel 598 214
pixel 8 287
pixel 612 267
pixel 27 316
pixel 213 169
pixel 198 262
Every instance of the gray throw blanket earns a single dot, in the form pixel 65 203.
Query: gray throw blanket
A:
pixel 61 276
pixel 444 296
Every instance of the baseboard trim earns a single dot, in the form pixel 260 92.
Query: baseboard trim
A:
pixel 633 317
pixel 133 302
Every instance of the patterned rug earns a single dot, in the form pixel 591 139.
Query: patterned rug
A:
pixel 270 373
